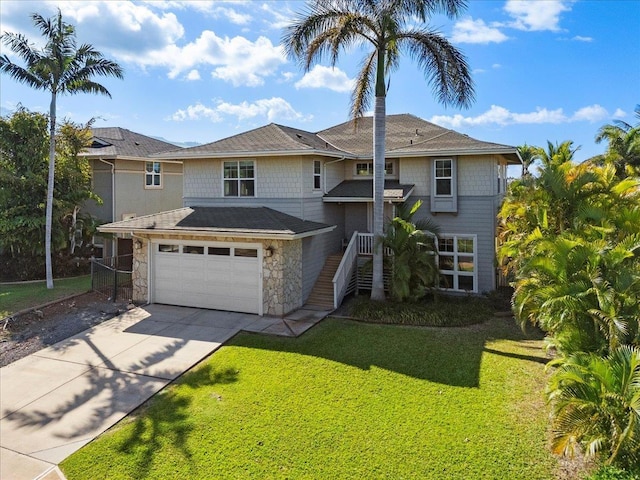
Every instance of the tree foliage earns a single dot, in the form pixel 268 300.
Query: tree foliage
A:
pixel 24 144
pixel 60 67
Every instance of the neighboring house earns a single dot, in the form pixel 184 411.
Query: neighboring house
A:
pixel 266 211
pixel 129 183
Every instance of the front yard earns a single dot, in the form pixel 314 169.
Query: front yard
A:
pixel 345 400
pixel 16 297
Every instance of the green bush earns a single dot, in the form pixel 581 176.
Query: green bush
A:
pixel 442 311
pixel 613 473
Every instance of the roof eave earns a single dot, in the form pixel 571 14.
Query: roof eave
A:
pixel 456 152
pixel 257 153
pixel 210 232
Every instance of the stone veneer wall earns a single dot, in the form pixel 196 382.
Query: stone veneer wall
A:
pixel 281 272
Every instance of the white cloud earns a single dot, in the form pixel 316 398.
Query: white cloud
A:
pixel 150 35
pixel 469 30
pixel 193 75
pixel 326 77
pixel 536 15
pixel 196 112
pixel 271 109
pixel 236 60
pixel 580 38
pixel 497 115
pixel 592 113
pixel 619 113
pixel 281 19
pixel 274 108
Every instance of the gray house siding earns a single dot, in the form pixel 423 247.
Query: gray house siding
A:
pixel 355 219
pixel 476 216
pixel 101 183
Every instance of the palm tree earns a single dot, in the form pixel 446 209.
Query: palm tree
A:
pixel 596 405
pixel 412 261
pixel 59 67
pixel 623 143
pixel 528 154
pixel 327 28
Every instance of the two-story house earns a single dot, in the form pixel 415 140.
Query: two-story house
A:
pixel 265 209
pixel 128 182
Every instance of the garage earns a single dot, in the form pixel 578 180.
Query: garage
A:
pixel 221 276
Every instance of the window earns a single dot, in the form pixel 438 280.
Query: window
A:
pixel 167 248
pixel 239 179
pixel 457 262
pixel 193 250
pixel 366 168
pixel 317 175
pixel 443 177
pixel 152 175
pixel 246 252
pixel 221 251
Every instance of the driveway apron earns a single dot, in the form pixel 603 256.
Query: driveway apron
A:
pixel 57 400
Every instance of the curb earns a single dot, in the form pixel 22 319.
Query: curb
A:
pixel 28 282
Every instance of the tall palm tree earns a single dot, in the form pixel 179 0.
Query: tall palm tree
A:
pixel 59 67
pixel 387 27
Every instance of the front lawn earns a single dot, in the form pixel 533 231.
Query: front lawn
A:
pixel 14 298
pixel 346 400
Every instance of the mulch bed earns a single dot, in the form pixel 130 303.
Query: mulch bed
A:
pixel 27 333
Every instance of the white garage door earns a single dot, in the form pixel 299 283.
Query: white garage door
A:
pixel 221 277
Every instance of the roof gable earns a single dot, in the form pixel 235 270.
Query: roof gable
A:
pixel 119 142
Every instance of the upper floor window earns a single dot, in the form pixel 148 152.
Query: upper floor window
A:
pixel 366 168
pixel 443 176
pixel 153 175
pixel 317 174
pixel 239 179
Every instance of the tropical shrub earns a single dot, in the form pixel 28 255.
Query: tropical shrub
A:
pixel 596 406
pixel 412 262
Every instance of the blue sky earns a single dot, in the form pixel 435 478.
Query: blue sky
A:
pixel 204 70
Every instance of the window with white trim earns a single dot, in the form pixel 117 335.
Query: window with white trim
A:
pixel 317 174
pixel 443 174
pixel 239 178
pixel 458 262
pixel 364 169
pixel 152 175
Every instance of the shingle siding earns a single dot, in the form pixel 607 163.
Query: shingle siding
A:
pixel 476 176
pixel 476 216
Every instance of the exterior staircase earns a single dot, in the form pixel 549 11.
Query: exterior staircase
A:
pixel 322 293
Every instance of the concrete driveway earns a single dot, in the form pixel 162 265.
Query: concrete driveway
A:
pixel 57 400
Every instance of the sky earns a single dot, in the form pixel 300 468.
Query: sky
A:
pixel 199 71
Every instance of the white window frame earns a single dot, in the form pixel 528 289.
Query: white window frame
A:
pixel 152 174
pixel 239 179
pixel 436 177
pixel 369 173
pixel 317 175
pixel 456 273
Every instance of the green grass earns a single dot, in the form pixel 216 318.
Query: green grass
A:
pixel 346 400
pixel 14 298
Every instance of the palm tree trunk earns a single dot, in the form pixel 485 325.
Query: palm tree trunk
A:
pixel 379 123
pixel 50 180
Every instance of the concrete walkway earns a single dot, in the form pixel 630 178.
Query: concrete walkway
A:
pixel 58 399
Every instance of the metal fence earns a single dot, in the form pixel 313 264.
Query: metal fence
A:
pixel 111 276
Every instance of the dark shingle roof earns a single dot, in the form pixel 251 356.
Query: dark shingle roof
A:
pixel 259 221
pixel 393 190
pixel 111 142
pixel 404 134
pixel 272 137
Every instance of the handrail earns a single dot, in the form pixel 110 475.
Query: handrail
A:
pixel 345 270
